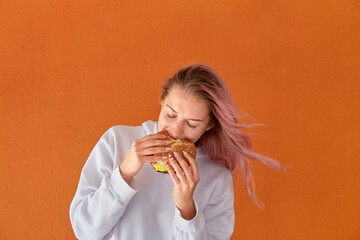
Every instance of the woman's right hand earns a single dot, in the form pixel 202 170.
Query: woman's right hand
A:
pixel 141 151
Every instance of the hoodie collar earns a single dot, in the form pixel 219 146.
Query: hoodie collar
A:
pixel 150 127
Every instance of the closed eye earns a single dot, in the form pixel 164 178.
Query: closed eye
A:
pixel 187 122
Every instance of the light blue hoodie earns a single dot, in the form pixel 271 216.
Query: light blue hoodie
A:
pixel 106 207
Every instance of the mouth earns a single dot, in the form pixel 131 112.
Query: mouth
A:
pixel 174 137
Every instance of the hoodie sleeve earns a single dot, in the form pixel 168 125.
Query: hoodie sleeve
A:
pixel 102 194
pixel 215 222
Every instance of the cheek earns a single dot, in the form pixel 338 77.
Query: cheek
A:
pixel 194 135
pixel 163 121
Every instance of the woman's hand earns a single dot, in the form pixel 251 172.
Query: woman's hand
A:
pixel 185 181
pixel 140 153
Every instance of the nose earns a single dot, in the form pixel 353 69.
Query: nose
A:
pixel 177 131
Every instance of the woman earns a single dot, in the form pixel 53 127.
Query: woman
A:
pixel 120 196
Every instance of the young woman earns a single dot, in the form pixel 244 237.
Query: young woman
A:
pixel 120 196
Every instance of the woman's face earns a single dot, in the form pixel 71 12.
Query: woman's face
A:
pixel 183 116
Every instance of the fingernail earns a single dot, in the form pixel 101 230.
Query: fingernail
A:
pixel 167 149
pixel 167 142
pixel 171 158
pixel 164 157
pixel 185 153
pixel 176 154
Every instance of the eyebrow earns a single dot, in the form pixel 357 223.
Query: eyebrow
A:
pixel 197 120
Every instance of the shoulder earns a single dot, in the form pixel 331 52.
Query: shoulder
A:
pixel 123 129
pixel 117 131
pixel 122 133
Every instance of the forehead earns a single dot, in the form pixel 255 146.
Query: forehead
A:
pixel 185 103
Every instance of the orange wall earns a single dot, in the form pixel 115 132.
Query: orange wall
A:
pixel 69 70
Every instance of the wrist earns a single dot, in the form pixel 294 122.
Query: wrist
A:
pixel 187 209
pixel 127 178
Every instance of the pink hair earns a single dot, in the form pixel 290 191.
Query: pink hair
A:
pixel 235 149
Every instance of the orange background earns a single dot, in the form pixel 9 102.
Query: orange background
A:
pixel 69 70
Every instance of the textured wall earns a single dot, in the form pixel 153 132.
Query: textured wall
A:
pixel 69 70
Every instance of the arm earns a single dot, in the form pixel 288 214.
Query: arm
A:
pixel 102 194
pixel 217 219
pixel 104 191
pixel 215 222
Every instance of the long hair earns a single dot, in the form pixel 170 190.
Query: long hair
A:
pixel 225 141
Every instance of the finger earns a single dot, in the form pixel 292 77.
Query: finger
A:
pixel 152 159
pixel 149 145
pixel 155 150
pixel 179 171
pixel 156 142
pixel 153 143
pixel 185 167
pixel 172 174
pixel 193 164
pixel 151 137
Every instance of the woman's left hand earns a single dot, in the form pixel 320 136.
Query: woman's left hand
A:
pixel 185 181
